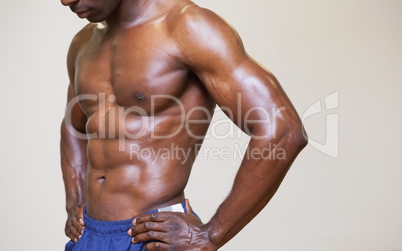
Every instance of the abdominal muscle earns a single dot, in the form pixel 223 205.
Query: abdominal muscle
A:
pixel 127 178
pixel 130 174
pixel 124 190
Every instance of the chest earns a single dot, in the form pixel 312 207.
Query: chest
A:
pixel 129 70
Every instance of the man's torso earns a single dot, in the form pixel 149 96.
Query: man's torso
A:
pixel 144 109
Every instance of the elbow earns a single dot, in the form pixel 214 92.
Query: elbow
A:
pixel 296 135
pixel 300 137
pixel 290 133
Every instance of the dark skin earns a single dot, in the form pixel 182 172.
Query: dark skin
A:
pixel 163 47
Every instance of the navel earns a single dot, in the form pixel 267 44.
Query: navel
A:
pixel 101 179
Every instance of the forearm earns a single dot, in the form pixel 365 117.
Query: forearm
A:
pixel 256 182
pixel 73 164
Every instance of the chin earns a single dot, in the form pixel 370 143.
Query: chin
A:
pixel 92 20
pixel 95 21
pixel 95 18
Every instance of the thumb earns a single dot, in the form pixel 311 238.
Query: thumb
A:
pixel 80 214
pixel 188 207
pixel 81 210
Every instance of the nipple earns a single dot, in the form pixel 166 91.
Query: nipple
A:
pixel 140 97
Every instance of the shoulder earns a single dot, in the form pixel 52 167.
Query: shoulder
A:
pixel 78 41
pixel 195 19
pixel 82 37
pixel 203 35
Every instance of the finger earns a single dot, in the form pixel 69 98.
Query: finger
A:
pixel 79 214
pixel 145 227
pixel 73 234
pixel 77 226
pixel 81 221
pixel 188 207
pixel 158 246
pixel 150 236
pixel 156 217
pixel 72 238
pixel 67 232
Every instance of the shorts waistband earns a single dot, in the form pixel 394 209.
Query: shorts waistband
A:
pixel 121 227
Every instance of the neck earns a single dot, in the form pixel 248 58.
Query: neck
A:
pixel 133 12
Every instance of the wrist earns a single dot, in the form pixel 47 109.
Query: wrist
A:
pixel 71 207
pixel 212 241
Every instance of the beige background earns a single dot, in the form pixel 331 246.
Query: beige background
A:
pixel 315 48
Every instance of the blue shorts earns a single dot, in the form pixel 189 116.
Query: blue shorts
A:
pixel 112 235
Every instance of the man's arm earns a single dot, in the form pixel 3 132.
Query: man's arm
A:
pixel 73 153
pixel 214 51
pixel 216 54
